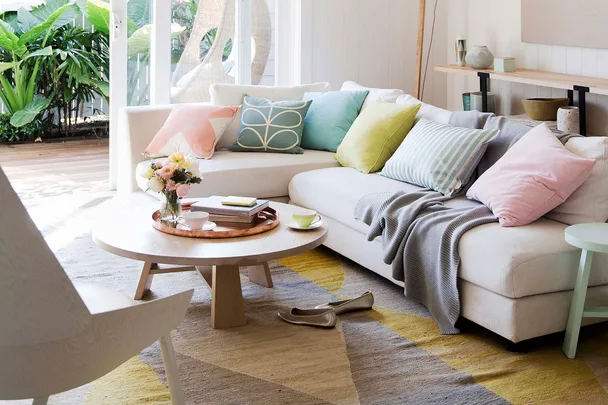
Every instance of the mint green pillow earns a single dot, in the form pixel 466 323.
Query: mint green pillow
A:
pixel 330 117
pixel 271 126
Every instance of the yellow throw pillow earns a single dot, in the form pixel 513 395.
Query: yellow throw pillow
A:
pixel 375 135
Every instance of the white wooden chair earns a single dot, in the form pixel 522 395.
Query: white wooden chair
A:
pixel 55 337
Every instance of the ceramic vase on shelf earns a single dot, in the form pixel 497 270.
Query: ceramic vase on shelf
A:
pixel 568 120
pixel 479 57
pixel 170 206
pixel 461 50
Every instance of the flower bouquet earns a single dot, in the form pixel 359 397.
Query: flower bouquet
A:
pixel 173 179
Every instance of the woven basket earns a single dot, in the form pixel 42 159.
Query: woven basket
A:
pixel 544 109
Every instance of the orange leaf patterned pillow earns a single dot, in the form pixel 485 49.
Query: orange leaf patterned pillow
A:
pixel 192 129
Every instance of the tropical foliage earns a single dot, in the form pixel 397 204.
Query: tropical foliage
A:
pixel 50 68
pixel 9 133
pixel 54 61
pixel 73 74
pixel 19 90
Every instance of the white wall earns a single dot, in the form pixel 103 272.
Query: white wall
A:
pixel 497 24
pixel 372 42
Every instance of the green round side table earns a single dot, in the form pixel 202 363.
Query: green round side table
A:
pixel 589 238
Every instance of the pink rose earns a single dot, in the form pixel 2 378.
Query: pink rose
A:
pixel 158 164
pixel 171 186
pixel 182 190
pixel 166 172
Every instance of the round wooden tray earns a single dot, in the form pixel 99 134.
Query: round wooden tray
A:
pixel 266 220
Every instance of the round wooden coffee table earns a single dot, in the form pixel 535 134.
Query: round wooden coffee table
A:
pixel 126 230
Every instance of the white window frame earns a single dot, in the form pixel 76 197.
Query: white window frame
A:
pixel 118 79
pixel 243 29
pixel 288 38
pixel 160 53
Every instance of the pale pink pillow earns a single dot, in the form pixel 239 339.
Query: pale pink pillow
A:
pixel 192 129
pixel 536 175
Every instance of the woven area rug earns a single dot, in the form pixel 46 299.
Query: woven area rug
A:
pixel 392 354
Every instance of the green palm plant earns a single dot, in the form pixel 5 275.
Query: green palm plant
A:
pixel 75 73
pixel 19 79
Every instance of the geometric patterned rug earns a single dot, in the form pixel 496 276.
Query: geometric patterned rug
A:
pixel 392 354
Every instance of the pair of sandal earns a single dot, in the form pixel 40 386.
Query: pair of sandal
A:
pixel 325 315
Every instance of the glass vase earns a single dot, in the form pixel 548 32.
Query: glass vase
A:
pixel 170 206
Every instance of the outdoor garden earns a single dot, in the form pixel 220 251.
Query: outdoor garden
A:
pixel 54 65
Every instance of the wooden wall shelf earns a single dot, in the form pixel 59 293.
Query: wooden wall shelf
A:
pixel 571 83
pixel 536 77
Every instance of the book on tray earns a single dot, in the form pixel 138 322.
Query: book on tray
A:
pixel 240 201
pixel 231 218
pixel 217 208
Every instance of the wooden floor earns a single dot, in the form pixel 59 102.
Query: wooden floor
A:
pixel 56 168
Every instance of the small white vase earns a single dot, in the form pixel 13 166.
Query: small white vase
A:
pixel 568 120
pixel 479 57
pixel 461 50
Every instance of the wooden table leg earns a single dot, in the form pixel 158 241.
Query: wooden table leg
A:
pixel 227 307
pixel 206 273
pixel 578 304
pixel 260 274
pixel 145 280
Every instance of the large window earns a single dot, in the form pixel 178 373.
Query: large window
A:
pixel 202 50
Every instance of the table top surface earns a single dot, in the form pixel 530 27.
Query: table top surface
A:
pixel 125 229
pixel 593 236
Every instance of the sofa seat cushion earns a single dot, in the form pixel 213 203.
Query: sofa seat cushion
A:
pixel 522 261
pixel 514 262
pixel 253 174
pixel 335 191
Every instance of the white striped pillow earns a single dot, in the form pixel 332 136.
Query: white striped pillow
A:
pixel 438 156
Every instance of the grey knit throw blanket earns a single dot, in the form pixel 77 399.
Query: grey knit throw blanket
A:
pixel 420 233
pixel 420 238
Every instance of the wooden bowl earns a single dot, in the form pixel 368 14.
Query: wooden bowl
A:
pixel 544 109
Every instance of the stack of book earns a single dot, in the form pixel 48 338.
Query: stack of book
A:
pixel 241 210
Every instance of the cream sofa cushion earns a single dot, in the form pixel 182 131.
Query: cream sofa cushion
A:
pixel 513 262
pixel 428 111
pixel 589 202
pixel 335 192
pixel 253 174
pixel 522 261
pixel 232 94
pixel 382 95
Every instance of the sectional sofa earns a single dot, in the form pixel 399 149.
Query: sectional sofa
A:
pixel 516 282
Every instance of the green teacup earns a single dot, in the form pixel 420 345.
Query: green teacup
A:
pixel 306 218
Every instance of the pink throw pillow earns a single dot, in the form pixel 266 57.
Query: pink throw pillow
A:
pixel 192 129
pixel 536 175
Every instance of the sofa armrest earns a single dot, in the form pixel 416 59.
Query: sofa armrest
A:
pixel 137 127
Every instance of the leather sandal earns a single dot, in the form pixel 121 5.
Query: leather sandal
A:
pixel 362 302
pixel 323 318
